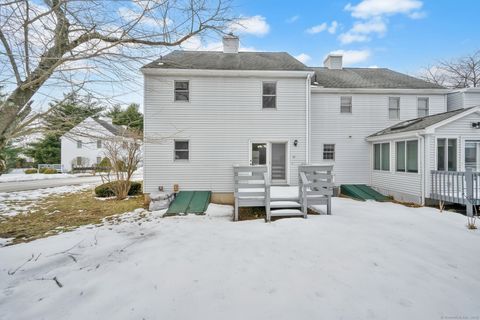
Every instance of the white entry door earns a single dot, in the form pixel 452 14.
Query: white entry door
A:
pixel 273 155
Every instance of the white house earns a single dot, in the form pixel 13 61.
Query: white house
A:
pixel 266 108
pixel 83 145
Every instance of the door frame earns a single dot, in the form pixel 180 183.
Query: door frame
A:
pixel 269 142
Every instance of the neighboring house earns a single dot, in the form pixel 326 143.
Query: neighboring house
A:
pixel 463 98
pixel 84 145
pixel 219 109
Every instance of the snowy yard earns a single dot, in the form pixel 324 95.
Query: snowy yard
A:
pixel 19 176
pixel 367 261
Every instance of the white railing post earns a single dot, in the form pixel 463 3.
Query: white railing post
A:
pixel 469 191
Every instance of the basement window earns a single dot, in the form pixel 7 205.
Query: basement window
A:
pixel 181 150
pixel 182 91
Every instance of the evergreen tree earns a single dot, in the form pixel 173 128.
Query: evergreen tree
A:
pixel 129 117
pixel 46 150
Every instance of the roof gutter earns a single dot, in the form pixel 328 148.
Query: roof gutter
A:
pixel 399 135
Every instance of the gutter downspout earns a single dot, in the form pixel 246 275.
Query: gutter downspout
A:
pixel 307 119
pixel 422 165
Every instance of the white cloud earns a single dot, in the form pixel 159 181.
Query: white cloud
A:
pixel 353 56
pixel 196 44
pixel 129 15
pixel 417 15
pixel 374 8
pixel 333 27
pixel 323 27
pixel 255 25
pixel 293 19
pixel 317 29
pixel 303 58
pixel 373 15
pixel 373 66
pixel 360 32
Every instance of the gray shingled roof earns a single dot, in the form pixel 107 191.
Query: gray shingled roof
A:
pixel 217 60
pixel 368 78
pixel 419 123
pixel 113 128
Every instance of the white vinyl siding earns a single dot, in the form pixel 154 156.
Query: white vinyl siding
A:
pixel 346 104
pixel 224 117
pixel 348 133
pixel 394 108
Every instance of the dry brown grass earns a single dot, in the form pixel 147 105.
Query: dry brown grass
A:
pixel 60 213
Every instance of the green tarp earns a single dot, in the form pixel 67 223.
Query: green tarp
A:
pixel 190 202
pixel 362 192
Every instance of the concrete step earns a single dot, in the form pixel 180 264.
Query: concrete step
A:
pixel 286 213
pixel 284 204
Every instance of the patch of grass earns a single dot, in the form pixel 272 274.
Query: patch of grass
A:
pixel 60 213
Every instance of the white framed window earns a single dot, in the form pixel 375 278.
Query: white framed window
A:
pixel 181 150
pixel 407 156
pixel 381 156
pixel 329 151
pixel 99 159
pixel 79 144
pixel 99 144
pixel 446 154
pixel 472 155
pixel 79 161
pixel 182 90
pixel 394 108
pixel 346 104
pixel 423 107
pixel 269 94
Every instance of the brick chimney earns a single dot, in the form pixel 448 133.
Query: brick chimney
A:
pixel 230 43
pixel 333 61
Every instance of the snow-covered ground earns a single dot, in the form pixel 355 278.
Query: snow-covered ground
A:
pixel 366 261
pixel 16 177
pixel 13 203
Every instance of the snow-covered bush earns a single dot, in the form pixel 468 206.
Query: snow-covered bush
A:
pixel 31 171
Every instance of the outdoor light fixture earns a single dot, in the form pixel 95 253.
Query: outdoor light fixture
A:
pixel 295 142
pixel 476 125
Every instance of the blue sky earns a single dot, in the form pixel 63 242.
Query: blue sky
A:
pixel 404 35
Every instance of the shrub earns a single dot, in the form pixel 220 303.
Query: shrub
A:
pixel 30 171
pixel 105 190
pixel 49 171
pixel 42 170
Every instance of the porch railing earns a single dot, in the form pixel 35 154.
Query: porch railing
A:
pixel 462 187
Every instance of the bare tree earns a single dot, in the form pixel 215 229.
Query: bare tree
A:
pixel 67 43
pixel 463 72
pixel 124 154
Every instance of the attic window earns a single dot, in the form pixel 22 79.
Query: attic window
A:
pixel 182 91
